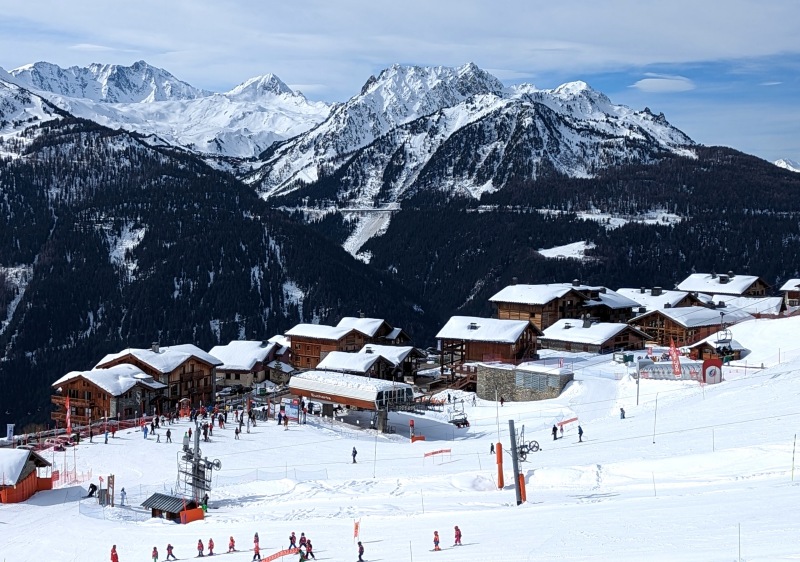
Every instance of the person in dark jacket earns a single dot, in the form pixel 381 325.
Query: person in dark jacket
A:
pixel 580 434
pixel 354 455
pixel 555 432
pixel 360 552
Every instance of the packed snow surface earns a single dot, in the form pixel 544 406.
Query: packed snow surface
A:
pixel 692 474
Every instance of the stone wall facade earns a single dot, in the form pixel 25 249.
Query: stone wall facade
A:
pixel 538 386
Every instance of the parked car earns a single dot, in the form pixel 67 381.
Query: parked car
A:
pixel 227 391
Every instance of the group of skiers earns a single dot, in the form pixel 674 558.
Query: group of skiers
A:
pixel 456 540
pixel 304 544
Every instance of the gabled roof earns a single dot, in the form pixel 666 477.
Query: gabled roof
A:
pixel 394 334
pixel 713 340
pixel 164 502
pixel 348 362
pixel 597 333
pixel 653 302
pixel 612 300
pixel 713 283
pixel 367 326
pixel 242 355
pixel 280 339
pixel 116 380
pixel 282 366
pixel 534 294
pixel 393 353
pixel 751 305
pixel 12 464
pixel 472 328
pixel 319 332
pixel 791 285
pixel 696 316
pixel 166 359
pixel 355 385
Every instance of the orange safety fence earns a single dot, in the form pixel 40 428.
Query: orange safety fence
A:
pixel 281 554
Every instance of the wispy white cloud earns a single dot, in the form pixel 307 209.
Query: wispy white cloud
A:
pixel 663 84
pixel 91 47
pixel 771 83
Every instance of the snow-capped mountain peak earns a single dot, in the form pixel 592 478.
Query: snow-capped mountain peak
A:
pixel 256 87
pixel 788 164
pixel 109 83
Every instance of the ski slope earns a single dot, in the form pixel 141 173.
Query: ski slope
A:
pixel 692 473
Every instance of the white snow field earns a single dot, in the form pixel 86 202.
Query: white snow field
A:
pixel 692 473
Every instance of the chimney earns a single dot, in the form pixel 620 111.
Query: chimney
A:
pixel 667 305
pixel 567 325
pixel 368 350
pixel 713 275
pixel 360 314
pixel 721 304
pixel 642 309
pixel 513 280
pixel 576 282
pixel 656 291
pixel 587 322
pixel 643 290
pixel 723 279
pixel 154 347
pixel 603 290
pixel 473 326
pixel 730 274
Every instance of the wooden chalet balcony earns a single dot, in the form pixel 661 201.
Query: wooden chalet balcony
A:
pixel 193 376
pixel 60 402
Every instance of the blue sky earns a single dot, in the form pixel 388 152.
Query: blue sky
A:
pixel 725 72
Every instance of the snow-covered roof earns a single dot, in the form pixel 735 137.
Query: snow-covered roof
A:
pixel 695 316
pixel 354 386
pixel 318 331
pixel 116 380
pixel 791 285
pixel 653 302
pixel 281 340
pixel 166 359
pixel 349 362
pixel 393 353
pixel 716 339
pixel 12 463
pixel 367 326
pixel 242 355
pixel 473 328
pixel 713 283
pixel 752 305
pixel 573 331
pixel 282 366
pixel 531 367
pixel 612 300
pixel 533 294
pixel 394 334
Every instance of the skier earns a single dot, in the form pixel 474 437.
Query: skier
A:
pixel 144 430
pixel 123 495
pixel 286 423
pixel 562 431
pixel 115 556
pixel 354 455
pixel 303 540
pixel 580 434
pixel 169 552
pixel 457 542
pixel 155 554
pixel 303 556
pixel 211 547
pixel 255 539
pixel 491 448
pixel 555 432
pixel 360 552
pixel 200 548
pixel 231 545
pixel 436 540
pixel 310 550
pixel 169 436
pixel 502 401
pixel 256 552
pixel 622 413
pixel 292 541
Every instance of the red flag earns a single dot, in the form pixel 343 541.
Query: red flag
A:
pixel 675 356
pixel 69 422
pixel 356 525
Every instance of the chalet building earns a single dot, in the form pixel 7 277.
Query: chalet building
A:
pixel 310 343
pixel 376 330
pixel 280 369
pixel 243 362
pixel 403 360
pixel 119 392
pixel 469 338
pixel 760 307
pixel 724 284
pixel 541 305
pixel 20 476
pixel 791 293
pixel 594 337
pixel 188 371
pixel 686 325
pixel 717 346
pixel 363 364
pixel 657 298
